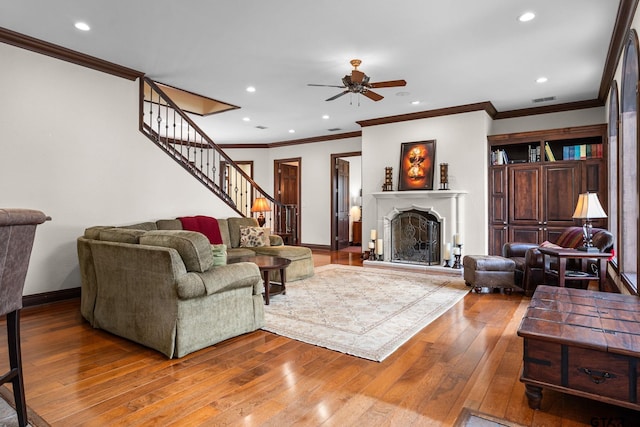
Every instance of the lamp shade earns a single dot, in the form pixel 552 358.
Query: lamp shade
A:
pixel 589 207
pixel 260 204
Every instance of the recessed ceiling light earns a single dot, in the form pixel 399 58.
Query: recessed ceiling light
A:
pixel 292 131
pixel 526 17
pixel 251 89
pixel 246 119
pixel 326 117
pixel 82 26
pixel 415 102
pixel 542 79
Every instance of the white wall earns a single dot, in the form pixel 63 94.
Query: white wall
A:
pixel 71 148
pixel 589 116
pixel 461 141
pixel 315 205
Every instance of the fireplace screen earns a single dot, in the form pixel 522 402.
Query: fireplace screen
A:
pixel 415 238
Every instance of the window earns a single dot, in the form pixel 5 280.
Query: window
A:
pixel 614 110
pixel 628 166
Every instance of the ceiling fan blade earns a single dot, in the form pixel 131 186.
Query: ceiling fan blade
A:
pixel 372 95
pixel 311 84
pixel 390 83
pixel 337 96
pixel 357 76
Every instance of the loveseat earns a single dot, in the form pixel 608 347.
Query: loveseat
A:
pixel 168 289
pixel 530 261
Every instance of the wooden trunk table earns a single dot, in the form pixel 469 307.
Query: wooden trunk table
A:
pixel 584 343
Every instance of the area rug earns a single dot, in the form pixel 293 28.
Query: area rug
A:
pixel 470 418
pixel 365 312
pixel 8 417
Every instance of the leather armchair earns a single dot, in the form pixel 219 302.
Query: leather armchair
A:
pixel 530 262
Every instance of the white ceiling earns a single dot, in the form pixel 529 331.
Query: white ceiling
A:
pixel 450 52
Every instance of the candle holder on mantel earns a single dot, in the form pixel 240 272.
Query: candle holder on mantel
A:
pixel 388 179
pixel 444 176
pixel 457 253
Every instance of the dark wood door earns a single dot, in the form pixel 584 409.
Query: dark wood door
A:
pixel 287 173
pixel 342 203
pixel 525 198
pixel 561 187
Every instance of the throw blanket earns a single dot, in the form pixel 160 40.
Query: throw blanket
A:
pixel 203 224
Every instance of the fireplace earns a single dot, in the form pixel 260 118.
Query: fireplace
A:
pixel 415 238
pixel 416 225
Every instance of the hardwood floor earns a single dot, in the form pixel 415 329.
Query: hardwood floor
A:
pixel 470 357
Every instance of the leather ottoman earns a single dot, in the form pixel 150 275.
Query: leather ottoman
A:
pixel 489 271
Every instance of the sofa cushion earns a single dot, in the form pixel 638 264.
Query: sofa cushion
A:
pixel 169 224
pixel 193 247
pixel 121 235
pixel 253 237
pixel 234 228
pixel 219 254
pixel 292 253
pixel 148 226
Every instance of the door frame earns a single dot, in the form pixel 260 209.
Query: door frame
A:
pixel 276 191
pixel 334 187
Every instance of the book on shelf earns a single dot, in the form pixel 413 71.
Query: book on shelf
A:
pixel 582 152
pixel 547 150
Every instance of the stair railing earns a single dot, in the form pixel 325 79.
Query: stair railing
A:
pixel 173 131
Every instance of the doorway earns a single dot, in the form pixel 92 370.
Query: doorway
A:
pixel 346 184
pixel 286 182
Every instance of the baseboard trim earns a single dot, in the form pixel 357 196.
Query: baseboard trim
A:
pixel 317 247
pixel 48 297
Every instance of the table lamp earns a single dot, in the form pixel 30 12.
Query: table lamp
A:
pixel 588 208
pixel 260 205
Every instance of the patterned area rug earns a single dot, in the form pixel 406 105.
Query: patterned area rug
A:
pixel 470 418
pixel 8 417
pixel 365 312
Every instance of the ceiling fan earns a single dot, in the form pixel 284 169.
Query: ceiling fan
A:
pixel 358 82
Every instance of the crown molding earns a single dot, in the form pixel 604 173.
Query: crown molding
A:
pixel 323 138
pixel 556 108
pixel 480 106
pixel 62 53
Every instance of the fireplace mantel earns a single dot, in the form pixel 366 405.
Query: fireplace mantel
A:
pixel 443 194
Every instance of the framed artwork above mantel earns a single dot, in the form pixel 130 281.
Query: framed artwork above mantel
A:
pixel 417 165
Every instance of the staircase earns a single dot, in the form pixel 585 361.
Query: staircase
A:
pixel 173 131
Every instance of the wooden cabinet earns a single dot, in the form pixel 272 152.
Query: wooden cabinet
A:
pixel 533 188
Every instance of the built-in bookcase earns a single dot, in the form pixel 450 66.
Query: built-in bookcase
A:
pixel 535 179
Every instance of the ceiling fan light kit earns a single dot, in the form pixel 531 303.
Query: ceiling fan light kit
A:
pixel 358 82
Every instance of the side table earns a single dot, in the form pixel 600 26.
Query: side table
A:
pixel 266 264
pixel 562 274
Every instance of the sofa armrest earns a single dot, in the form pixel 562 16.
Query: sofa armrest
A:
pixel 516 249
pixel 232 276
pixel 534 258
pixel 275 240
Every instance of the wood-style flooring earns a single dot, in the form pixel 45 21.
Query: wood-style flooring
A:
pixel 470 357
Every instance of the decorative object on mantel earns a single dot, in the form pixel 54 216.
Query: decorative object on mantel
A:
pixel 444 176
pixel 416 165
pixel 388 179
pixel 457 250
pixel 447 255
pixel 372 244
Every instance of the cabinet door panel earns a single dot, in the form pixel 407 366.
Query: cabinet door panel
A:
pixel 498 236
pixel 525 234
pixel 524 196
pixel 562 187
pixel 498 195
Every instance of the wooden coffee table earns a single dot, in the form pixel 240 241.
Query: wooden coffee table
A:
pixel 583 343
pixel 267 264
